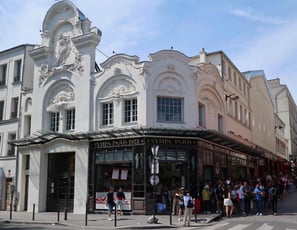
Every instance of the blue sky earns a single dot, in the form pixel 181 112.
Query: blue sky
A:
pixel 255 34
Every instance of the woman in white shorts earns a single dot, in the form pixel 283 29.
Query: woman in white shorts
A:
pixel 228 202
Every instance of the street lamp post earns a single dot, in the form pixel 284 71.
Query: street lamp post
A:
pixel 154 178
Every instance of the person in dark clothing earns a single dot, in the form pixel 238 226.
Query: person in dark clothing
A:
pixel 120 198
pixel 246 192
pixel 273 196
pixel 110 202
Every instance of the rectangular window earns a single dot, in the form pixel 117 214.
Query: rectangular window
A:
pixel 235 78
pixel 27 125
pixel 202 115
pixel 107 116
pixel 3 70
pixel 236 110
pixel 170 109
pixel 244 89
pixel 70 119
pixel 241 113
pixel 239 83
pixel 131 110
pixel 17 70
pixel 229 73
pixel 54 121
pixel 11 148
pixel 220 123
pixel 14 107
pixel 1 110
pixel 223 68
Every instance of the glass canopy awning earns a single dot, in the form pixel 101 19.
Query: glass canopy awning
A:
pixel 42 137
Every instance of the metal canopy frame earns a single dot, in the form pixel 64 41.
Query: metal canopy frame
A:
pixel 42 137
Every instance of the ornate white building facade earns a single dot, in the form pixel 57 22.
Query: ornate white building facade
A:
pixel 85 128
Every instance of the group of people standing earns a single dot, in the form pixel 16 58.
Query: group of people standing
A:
pixel 183 205
pixel 231 197
pixel 117 201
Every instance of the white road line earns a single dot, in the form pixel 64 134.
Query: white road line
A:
pixel 265 226
pixel 239 227
pixel 217 226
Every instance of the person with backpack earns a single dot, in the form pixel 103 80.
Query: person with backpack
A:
pixel 259 195
pixel 273 196
pixel 188 201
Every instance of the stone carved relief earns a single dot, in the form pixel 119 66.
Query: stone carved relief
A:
pixel 46 73
pixel 63 49
pixel 65 61
pixel 62 95
pixel 117 89
pixel 170 85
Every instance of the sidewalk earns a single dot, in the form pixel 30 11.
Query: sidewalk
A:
pixel 99 221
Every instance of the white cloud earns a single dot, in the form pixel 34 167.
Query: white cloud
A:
pixel 249 14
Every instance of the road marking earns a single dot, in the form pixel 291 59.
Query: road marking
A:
pixel 217 226
pixel 239 227
pixel 265 226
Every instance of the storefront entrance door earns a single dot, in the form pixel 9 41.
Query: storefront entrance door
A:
pixel 60 186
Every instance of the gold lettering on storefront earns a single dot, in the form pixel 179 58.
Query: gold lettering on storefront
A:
pixel 141 141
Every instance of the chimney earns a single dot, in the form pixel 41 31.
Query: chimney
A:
pixel 202 56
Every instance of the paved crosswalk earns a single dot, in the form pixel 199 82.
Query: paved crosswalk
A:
pixel 239 226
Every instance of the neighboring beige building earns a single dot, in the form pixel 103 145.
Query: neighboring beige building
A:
pixel 16 67
pixel 267 130
pixel 285 108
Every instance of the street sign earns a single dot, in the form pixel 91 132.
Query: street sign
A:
pixel 154 179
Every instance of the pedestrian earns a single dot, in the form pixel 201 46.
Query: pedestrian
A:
pixel 228 202
pixel 206 199
pixel 175 199
pixel 219 195
pixel 120 198
pixel 259 195
pixel 181 204
pixel 188 201
pixel 110 202
pixel 273 196
pixel 246 192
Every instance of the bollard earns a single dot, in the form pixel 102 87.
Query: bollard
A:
pixel 115 215
pixel 58 217
pixel 195 211
pixel 86 217
pixel 11 200
pixel 33 213
pixel 170 208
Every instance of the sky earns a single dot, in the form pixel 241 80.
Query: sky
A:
pixel 255 35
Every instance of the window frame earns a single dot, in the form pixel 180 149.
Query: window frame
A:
pixel 169 112
pixel 70 119
pixel 130 110
pixel 107 113
pixel 54 121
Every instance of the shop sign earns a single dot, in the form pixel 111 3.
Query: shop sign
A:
pixel 154 179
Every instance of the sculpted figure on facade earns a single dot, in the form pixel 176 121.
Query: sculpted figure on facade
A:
pixel 62 95
pixel 63 49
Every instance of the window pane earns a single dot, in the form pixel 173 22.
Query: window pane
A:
pixel 170 109
pixel 107 116
pixel 70 119
pixel 128 156
pixel 118 155
pixel 54 121
pixel 130 110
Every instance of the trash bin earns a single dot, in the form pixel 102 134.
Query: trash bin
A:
pixel 197 204
pixel 160 207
